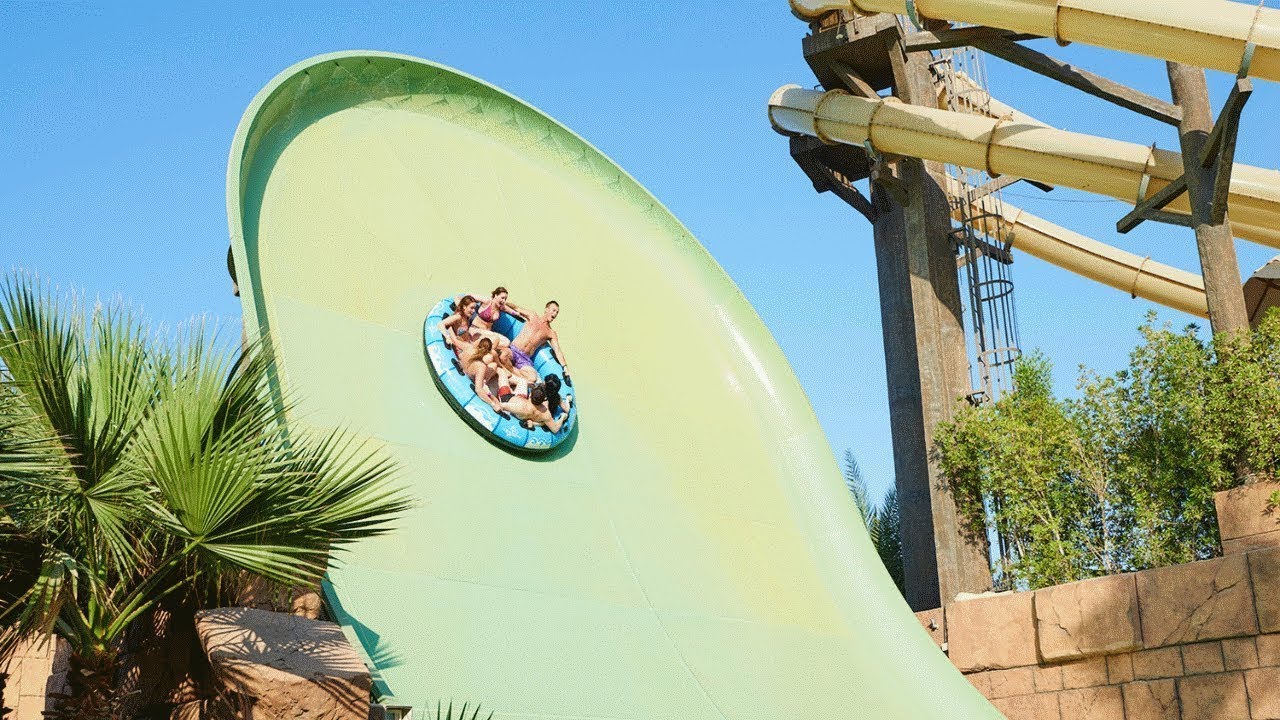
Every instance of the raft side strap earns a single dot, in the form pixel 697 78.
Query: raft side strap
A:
pixel 1142 187
pixel 872 152
pixel 1246 58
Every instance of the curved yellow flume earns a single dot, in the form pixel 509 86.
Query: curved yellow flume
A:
pixel 1133 274
pixel 1022 149
pixel 1206 33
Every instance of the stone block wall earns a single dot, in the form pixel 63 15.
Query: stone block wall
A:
pixel 1246 519
pixel 36 669
pixel 1199 641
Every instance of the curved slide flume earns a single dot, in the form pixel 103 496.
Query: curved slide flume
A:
pixel 1134 274
pixel 689 552
pixel 1022 149
pixel 1206 33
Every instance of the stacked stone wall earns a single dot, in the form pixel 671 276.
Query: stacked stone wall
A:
pixel 36 670
pixel 1199 641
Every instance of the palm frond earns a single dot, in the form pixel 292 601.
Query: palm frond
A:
pixel 241 493
pixel 88 383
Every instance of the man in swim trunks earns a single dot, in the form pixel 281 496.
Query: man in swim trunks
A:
pixel 536 330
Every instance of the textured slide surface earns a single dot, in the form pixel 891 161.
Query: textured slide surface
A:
pixel 690 552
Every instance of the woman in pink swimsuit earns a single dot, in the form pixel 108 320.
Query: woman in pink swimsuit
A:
pixel 488 312
pixel 491 309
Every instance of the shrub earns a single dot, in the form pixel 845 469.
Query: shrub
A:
pixel 1122 476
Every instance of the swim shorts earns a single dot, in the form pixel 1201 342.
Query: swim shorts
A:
pixel 519 359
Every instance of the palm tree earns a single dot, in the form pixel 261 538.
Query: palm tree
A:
pixel 139 472
pixel 881 521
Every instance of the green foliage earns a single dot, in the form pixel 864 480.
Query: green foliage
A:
pixel 138 470
pixel 443 714
pixel 882 521
pixel 1121 477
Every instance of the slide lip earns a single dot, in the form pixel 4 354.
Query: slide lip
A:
pixel 254 312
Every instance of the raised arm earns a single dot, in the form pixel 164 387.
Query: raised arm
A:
pixel 520 312
pixel 446 328
pixel 554 341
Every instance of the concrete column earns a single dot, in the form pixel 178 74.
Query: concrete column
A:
pixel 1218 261
pixel 926 364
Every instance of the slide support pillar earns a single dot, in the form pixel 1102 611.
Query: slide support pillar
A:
pixel 925 359
pixel 1216 244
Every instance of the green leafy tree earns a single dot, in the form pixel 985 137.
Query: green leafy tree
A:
pixel 1121 477
pixel 139 471
pixel 881 521
pixel 1025 453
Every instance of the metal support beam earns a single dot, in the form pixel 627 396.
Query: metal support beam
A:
pixel 1001 183
pixel 957 37
pixel 1220 150
pixel 1215 163
pixel 1095 85
pixel 1150 208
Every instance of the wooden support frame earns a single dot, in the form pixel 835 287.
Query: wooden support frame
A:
pixel 1218 156
pixel 848 192
pixel 1152 208
pixel 1067 74
pixel 853 81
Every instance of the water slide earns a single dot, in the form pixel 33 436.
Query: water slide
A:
pixel 1134 274
pixel 1000 146
pixel 689 552
pixel 1215 34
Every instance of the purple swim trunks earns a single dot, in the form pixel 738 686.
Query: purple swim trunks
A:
pixel 519 359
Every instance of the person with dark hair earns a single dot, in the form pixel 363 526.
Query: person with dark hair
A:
pixel 552 384
pixel 531 408
pixel 536 331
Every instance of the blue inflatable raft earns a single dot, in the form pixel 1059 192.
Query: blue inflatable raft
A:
pixel 502 429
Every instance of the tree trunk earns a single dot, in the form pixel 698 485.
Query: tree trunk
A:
pixel 91 692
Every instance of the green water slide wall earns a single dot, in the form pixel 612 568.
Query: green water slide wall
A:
pixel 691 552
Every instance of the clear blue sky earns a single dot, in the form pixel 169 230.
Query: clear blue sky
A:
pixel 115 128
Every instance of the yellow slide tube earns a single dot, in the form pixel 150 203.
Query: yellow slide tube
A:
pixel 1206 33
pixel 1139 276
pixel 1136 275
pixel 1019 148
